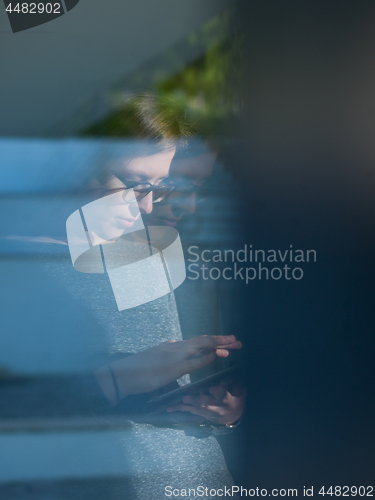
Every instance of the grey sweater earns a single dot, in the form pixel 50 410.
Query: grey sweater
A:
pixel 154 457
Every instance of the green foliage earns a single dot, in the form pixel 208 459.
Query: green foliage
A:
pixel 203 93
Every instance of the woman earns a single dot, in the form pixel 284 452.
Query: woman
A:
pixel 145 342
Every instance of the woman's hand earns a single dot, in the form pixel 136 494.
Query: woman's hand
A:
pixel 160 365
pixel 224 404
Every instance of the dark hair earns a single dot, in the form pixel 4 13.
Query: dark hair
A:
pixel 147 117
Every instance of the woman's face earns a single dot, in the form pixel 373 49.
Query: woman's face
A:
pixel 111 215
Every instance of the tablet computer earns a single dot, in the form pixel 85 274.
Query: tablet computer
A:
pixel 176 396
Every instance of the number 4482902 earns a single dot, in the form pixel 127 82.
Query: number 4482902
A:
pixel 346 491
pixel 34 8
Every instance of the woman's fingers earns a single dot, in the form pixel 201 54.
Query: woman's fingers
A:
pixel 210 342
pixel 204 400
pixel 222 353
pixel 211 346
pixel 195 410
pixel 237 344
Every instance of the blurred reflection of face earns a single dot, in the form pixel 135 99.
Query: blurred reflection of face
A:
pixel 113 213
pixel 187 171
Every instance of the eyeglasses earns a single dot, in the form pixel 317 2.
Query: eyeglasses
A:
pixel 165 193
pixel 141 190
pixel 180 191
